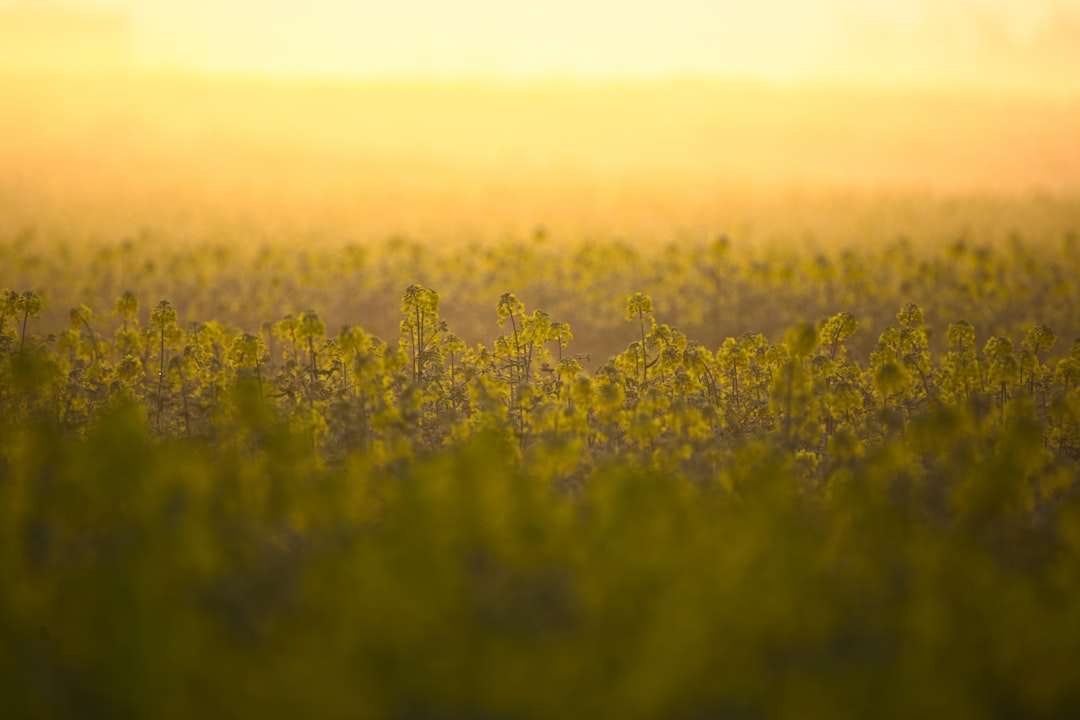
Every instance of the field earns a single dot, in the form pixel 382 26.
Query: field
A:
pixel 468 402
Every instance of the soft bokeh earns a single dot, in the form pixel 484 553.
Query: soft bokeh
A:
pixel 485 119
pixel 999 44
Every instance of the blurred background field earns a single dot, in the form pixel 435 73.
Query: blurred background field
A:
pixel 739 205
pixel 469 160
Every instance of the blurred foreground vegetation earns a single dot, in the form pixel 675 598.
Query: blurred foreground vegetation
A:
pixel 144 578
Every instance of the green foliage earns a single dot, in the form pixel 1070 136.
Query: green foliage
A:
pixel 197 518
pixel 420 328
pixel 136 569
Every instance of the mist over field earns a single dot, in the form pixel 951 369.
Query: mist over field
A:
pixel 483 161
pixel 344 123
pixel 387 183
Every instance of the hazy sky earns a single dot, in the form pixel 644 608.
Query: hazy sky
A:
pixel 1027 44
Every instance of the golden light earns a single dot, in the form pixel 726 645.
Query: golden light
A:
pixel 501 114
pixel 1016 45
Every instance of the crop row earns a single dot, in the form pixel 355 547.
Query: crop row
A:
pixel 666 398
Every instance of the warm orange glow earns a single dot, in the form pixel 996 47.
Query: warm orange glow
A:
pixel 483 117
pixel 418 158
